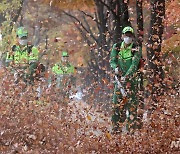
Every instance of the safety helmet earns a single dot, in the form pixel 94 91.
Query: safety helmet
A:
pixel 21 32
pixel 65 54
pixel 127 29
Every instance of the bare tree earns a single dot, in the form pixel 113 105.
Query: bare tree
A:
pixel 101 30
pixel 110 17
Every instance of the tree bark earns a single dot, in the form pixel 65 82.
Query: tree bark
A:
pixel 140 25
pixel 119 10
pixel 156 74
pixel 2 19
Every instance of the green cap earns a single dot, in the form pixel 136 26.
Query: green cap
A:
pixel 65 54
pixel 21 32
pixel 127 29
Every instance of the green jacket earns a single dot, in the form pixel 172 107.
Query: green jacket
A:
pixel 60 69
pixel 126 59
pixel 23 55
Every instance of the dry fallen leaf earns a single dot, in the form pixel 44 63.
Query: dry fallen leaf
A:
pixel 88 117
pixel 108 135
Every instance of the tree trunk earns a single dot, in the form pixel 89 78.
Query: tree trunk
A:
pixel 139 12
pixel 140 34
pixel 121 18
pixel 156 74
pixel 111 16
pixel 101 44
pixel 2 19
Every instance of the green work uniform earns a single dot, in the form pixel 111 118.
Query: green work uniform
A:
pixel 33 63
pixel 24 58
pixel 64 78
pixel 62 71
pixel 127 60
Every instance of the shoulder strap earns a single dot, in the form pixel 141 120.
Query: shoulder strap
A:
pixel 118 46
pixel 134 45
pixel 14 48
pixel 29 48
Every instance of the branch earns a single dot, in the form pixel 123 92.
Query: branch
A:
pixel 88 15
pixel 109 8
pixel 18 12
pixel 93 18
pixel 76 20
pixel 83 34
pixel 90 31
pixel 94 67
pixel 99 27
pixel 87 30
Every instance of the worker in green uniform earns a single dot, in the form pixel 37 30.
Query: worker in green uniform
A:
pixel 124 60
pixel 64 72
pixel 23 58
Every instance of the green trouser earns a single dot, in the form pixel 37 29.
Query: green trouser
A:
pixel 32 71
pixel 19 73
pixel 127 113
pixel 66 86
pixel 59 81
pixel 26 73
pixel 68 83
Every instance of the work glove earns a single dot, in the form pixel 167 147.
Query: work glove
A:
pixel 116 71
pixel 123 79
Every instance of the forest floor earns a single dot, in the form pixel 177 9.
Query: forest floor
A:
pixel 55 126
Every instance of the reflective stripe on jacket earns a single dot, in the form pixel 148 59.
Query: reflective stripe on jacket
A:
pixel 126 59
pixel 23 55
pixel 60 69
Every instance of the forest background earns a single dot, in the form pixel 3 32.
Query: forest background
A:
pixel 88 29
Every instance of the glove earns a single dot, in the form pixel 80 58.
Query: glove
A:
pixel 116 71
pixel 123 79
